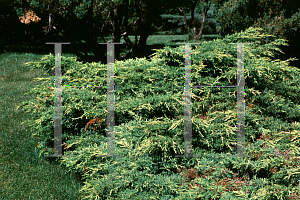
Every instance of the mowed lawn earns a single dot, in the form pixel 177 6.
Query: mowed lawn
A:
pixel 22 174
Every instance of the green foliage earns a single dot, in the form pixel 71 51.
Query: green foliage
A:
pixel 149 105
pixel 281 26
pixel 280 19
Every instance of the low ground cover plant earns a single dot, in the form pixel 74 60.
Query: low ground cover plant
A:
pixel 149 124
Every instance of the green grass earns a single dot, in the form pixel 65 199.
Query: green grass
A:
pixel 22 174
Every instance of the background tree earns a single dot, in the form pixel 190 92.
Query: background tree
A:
pixel 78 21
pixel 147 13
pixel 10 25
pixel 203 6
pixel 278 17
pixel 43 9
pixel 116 14
pixel 188 18
pixel 74 22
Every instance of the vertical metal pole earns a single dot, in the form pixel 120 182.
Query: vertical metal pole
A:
pixel 240 102
pixel 57 104
pixel 187 104
pixel 110 121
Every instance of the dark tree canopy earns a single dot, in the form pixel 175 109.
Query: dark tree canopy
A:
pixel 277 17
pixel 83 22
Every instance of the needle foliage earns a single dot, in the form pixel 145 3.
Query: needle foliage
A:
pixel 149 124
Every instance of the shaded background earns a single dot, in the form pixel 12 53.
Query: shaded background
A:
pixel 26 25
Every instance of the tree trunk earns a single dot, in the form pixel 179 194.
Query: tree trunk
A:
pixel 143 37
pixel 116 36
pixel 193 18
pixel 143 29
pixel 198 37
pixel 125 27
pixel 24 20
pixel 116 14
pixel 83 30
